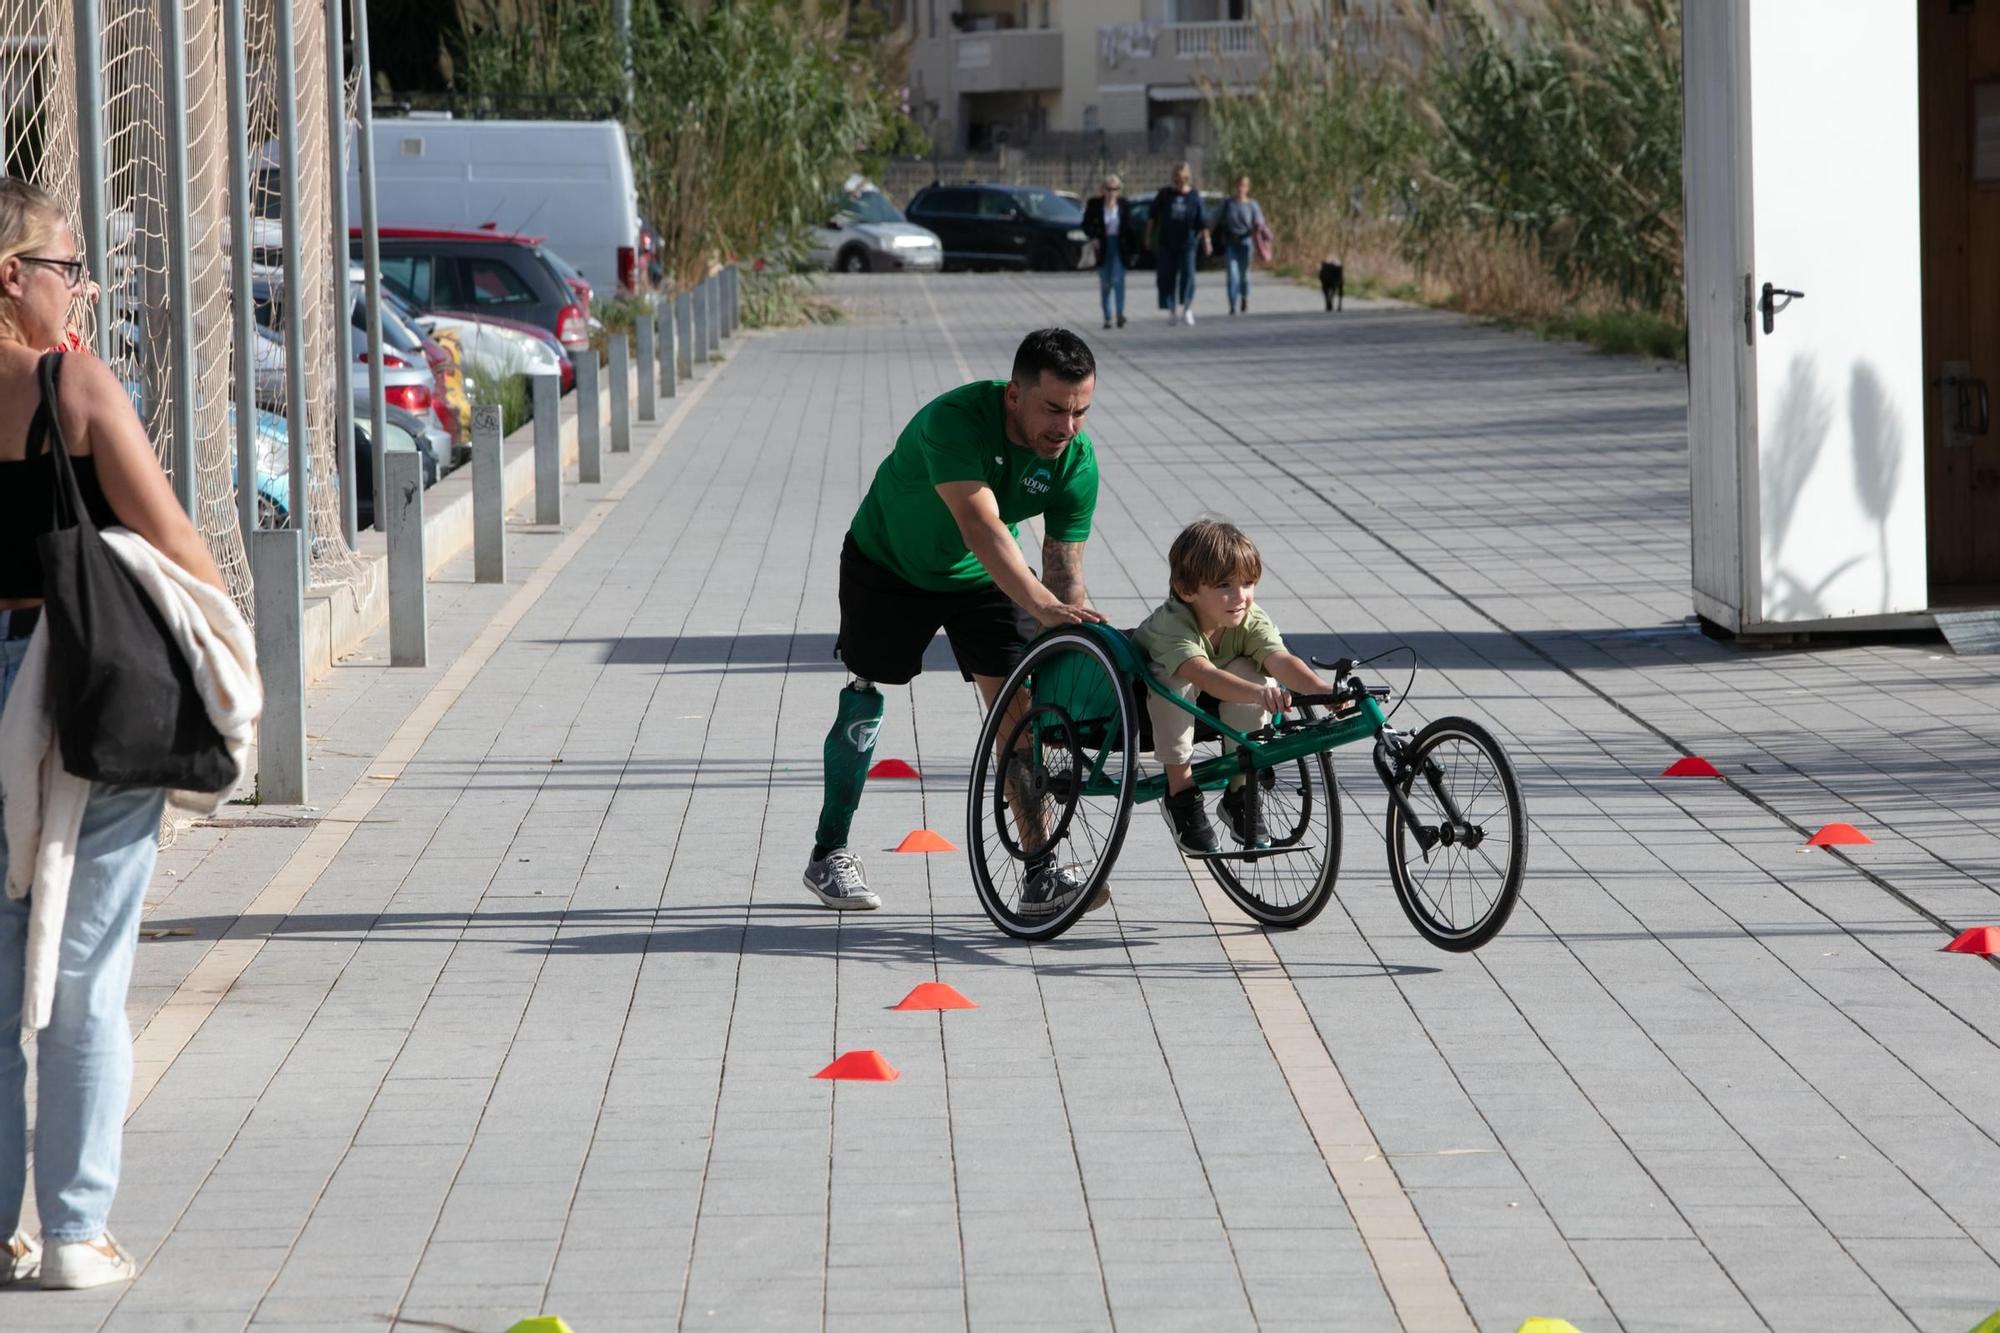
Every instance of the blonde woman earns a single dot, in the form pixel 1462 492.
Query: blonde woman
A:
pixel 1179 229
pixel 84 1056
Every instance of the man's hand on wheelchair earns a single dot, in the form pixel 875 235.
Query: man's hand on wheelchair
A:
pixel 1053 613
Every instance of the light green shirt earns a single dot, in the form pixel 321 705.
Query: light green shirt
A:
pixel 1170 637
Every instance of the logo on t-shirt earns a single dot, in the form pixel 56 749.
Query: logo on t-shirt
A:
pixel 1037 482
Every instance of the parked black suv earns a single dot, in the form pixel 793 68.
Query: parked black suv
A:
pixel 1002 226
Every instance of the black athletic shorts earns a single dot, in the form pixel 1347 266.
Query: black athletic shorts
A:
pixel 886 623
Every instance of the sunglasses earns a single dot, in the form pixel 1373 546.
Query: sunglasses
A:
pixel 71 269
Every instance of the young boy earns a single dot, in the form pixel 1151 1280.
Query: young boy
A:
pixel 1210 636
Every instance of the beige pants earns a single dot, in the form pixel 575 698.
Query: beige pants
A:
pixel 1173 728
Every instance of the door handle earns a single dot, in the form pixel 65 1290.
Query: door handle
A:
pixel 1770 304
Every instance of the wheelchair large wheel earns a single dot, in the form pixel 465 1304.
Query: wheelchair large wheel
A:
pixel 1457 877
pixel 1289 885
pixel 1051 789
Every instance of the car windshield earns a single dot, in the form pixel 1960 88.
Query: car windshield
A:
pixel 1048 206
pixel 868 206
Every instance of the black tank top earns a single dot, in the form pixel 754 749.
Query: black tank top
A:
pixel 27 506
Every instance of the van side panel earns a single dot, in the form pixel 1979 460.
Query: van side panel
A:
pixel 570 182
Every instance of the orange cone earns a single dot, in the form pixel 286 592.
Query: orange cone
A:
pixel 923 840
pixel 935 995
pixel 1981 940
pixel 1691 766
pixel 1839 835
pixel 892 768
pixel 861 1067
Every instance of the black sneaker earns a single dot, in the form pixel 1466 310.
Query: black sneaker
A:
pixel 1052 887
pixel 1246 817
pixel 1121 321
pixel 1189 814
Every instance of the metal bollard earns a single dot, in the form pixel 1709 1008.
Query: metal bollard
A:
pixel 714 286
pixel 736 300
pixel 728 277
pixel 489 497
pixel 649 394
pixel 589 438
pixel 548 449
pixel 684 335
pixel 663 315
pixel 409 630
pixel 621 395
pixel 699 297
pixel 277 565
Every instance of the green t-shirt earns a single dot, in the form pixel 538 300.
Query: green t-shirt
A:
pixel 904 525
pixel 1170 637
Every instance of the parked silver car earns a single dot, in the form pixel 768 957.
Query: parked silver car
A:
pixel 868 234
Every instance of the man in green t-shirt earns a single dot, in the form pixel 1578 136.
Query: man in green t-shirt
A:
pixel 933 546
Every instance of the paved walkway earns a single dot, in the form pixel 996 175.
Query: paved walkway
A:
pixel 520 1016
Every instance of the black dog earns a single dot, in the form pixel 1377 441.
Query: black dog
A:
pixel 1333 285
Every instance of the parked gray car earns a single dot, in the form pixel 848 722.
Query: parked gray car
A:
pixel 867 234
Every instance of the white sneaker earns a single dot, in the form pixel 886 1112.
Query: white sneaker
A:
pixel 1187 316
pixel 74 1265
pixel 20 1259
pixel 838 881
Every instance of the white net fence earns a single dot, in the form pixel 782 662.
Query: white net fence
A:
pixel 39 141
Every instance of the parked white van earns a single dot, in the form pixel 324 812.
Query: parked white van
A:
pixel 567 181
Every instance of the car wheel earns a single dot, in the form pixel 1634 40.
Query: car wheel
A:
pixel 853 259
pixel 269 514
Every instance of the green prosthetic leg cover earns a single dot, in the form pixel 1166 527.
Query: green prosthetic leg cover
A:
pixel 848 746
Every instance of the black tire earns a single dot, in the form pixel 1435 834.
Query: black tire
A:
pixel 1064 709
pixel 269 514
pixel 1301 808
pixel 1461 759
pixel 854 259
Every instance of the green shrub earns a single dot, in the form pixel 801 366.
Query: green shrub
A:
pixel 775 299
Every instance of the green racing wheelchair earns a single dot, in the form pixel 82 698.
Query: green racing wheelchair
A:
pixel 1056 775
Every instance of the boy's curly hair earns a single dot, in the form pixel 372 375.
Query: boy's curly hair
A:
pixel 1209 552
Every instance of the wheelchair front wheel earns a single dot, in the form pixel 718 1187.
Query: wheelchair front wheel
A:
pixel 1051 789
pixel 1292 884
pixel 1458 868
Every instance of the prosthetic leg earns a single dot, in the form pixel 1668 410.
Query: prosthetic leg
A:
pixel 845 755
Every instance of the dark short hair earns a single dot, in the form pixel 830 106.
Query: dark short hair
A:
pixel 1059 352
pixel 1208 552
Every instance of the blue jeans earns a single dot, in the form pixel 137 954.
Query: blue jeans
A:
pixel 83 1058
pixel 1111 281
pixel 1236 255
pixel 1175 271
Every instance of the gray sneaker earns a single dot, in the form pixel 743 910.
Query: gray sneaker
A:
pixel 1052 887
pixel 837 880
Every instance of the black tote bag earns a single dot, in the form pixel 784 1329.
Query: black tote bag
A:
pixel 126 708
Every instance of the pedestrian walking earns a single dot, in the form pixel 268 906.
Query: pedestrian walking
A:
pixel 1179 234
pixel 1242 226
pixel 76 855
pixel 933 546
pixel 1106 221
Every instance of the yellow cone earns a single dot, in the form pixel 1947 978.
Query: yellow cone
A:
pixel 546 1323
pixel 1542 1325
pixel 1990 1324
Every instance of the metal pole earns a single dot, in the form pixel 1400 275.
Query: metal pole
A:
pixel 548 448
pixel 714 289
pixel 621 23
pixel 699 298
pixel 402 496
pixel 661 315
pixel 684 334
pixel 589 439
pixel 234 59
pixel 336 185
pixel 371 247
pixel 180 282
pixel 489 497
pixel 649 395
pixel 90 162
pixel 295 323
pixel 276 561
pixel 621 395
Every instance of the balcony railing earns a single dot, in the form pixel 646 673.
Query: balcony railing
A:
pixel 1202 41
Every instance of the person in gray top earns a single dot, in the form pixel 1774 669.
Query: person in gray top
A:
pixel 1238 224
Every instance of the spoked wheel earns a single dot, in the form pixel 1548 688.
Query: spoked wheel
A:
pixel 1051 789
pixel 1288 885
pixel 1458 870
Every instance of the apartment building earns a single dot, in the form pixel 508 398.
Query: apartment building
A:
pixel 1075 73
